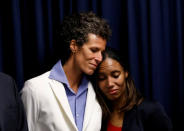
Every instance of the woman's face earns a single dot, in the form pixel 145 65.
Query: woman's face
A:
pixel 89 55
pixel 111 79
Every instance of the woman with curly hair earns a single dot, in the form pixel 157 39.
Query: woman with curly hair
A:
pixel 63 99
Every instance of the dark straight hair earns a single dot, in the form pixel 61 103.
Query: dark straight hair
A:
pixel 132 95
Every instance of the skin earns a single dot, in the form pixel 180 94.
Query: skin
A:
pixel 112 82
pixel 88 57
pixel 84 59
pixel 112 79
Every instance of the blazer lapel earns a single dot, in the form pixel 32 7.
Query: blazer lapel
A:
pixel 131 121
pixel 90 101
pixel 60 95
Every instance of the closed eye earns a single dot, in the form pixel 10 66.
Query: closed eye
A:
pixel 116 74
pixel 94 50
pixel 101 77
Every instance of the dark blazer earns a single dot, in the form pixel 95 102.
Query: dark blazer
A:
pixel 148 116
pixel 12 116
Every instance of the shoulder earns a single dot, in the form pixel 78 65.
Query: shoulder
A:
pixel 42 77
pixel 39 80
pixel 36 84
pixel 7 83
pixel 35 90
pixel 150 106
pixel 8 92
pixel 3 75
pixel 4 78
pixel 154 116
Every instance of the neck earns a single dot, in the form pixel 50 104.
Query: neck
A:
pixel 118 103
pixel 116 118
pixel 73 74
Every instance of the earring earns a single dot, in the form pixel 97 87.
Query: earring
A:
pixel 74 51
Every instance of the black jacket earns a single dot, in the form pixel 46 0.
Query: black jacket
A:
pixel 148 116
pixel 12 116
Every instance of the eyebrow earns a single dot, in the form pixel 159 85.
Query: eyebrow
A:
pixel 116 71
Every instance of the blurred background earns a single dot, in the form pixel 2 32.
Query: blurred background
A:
pixel 150 33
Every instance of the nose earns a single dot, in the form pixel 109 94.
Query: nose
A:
pixel 98 57
pixel 109 82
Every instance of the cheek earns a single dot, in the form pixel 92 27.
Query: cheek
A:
pixel 81 58
pixel 122 84
pixel 121 81
pixel 101 86
pixel 86 54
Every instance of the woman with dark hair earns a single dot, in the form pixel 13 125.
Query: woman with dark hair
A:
pixel 124 108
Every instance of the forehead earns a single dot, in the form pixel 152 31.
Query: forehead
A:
pixel 109 65
pixel 95 41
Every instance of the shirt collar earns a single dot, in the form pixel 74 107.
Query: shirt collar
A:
pixel 57 73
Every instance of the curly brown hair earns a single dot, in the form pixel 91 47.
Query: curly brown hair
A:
pixel 77 27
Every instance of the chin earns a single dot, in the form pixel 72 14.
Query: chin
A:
pixel 89 72
pixel 112 98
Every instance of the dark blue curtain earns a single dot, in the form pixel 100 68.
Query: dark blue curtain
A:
pixel 149 32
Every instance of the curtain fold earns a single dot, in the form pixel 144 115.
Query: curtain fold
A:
pixel 150 33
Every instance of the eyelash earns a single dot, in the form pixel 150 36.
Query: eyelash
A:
pixel 94 50
pixel 101 78
pixel 116 76
pixel 113 75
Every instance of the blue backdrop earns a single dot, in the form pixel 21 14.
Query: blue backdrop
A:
pixel 149 32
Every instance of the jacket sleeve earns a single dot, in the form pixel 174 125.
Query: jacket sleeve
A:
pixel 29 98
pixel 21 121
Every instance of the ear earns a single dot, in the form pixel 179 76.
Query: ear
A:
pixel 126 74
pixel 73 46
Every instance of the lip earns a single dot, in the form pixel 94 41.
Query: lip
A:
pixel 113 91
pixel 93 65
